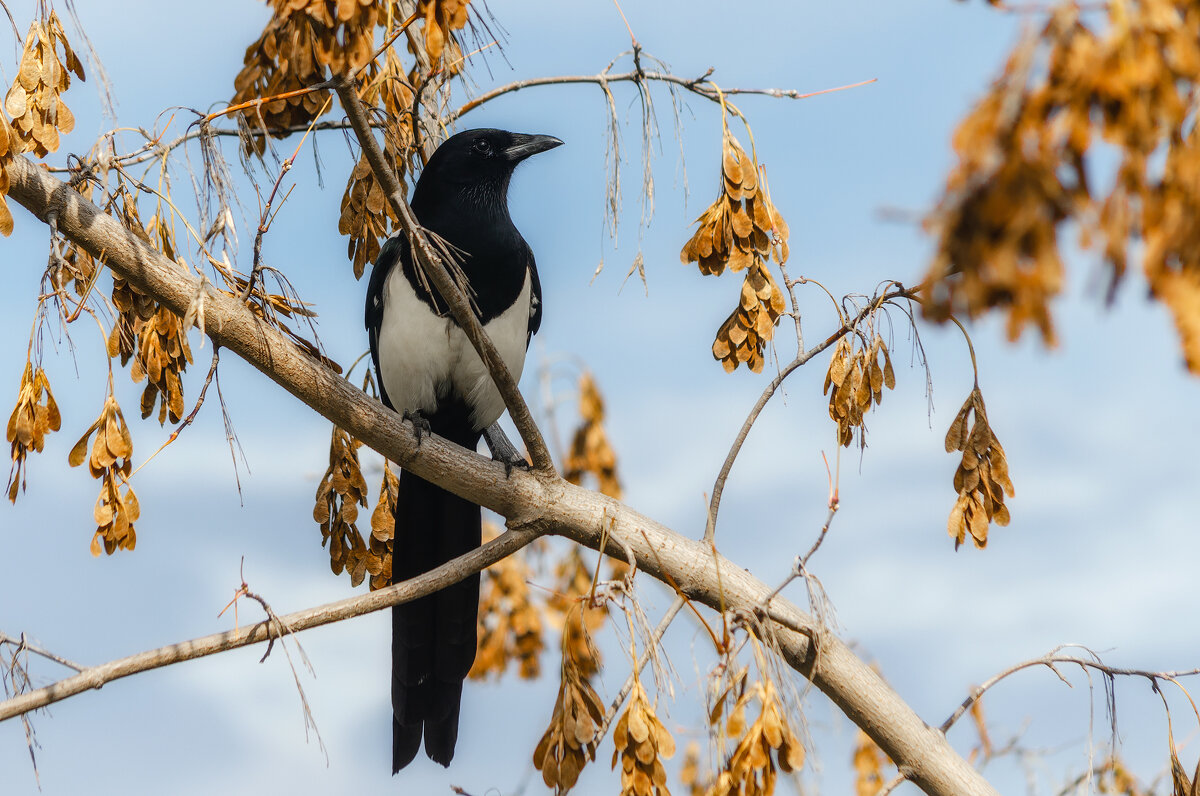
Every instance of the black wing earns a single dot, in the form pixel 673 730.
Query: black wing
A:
pixel 393 252
pixel 535 301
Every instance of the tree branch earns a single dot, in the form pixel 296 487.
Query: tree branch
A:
pixel 524 498
pixel 451 572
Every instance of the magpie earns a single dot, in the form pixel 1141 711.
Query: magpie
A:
pixel 429 371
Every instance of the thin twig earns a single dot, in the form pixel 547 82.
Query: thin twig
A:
pixel 455 570
pixel 802 358
pixel 698 86
pixel 619 699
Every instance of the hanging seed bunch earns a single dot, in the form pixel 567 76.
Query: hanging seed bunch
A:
pixel 339 494
pixel 510 625
pixel 35 415
pixel 741 230
pixel 1172 238
pixel 569 609
pixel 304 43
pixel 981 480
pixel 1022 170
pixel 9 147
pixel 134 309
pixel 366 215
pixel 752 769
pixel 641 743
pixel 570 740
pixel 162 355
pixel 442 18
pixel 689 774
pixel 34 101
pixel 744 334
pixel 383 530
pixel 855 381
pixel 108 460
pixel 869 763
pixel 591 453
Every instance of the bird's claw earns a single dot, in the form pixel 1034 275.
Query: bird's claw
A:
pixel 420 424
pixel 519 462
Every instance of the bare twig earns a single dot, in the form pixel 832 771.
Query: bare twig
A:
pixel 801 358
pixel 1051 661
pixel 619 699
pixel 455 570
pixel 699 85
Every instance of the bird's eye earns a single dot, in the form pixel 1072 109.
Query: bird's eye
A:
pixel 482 146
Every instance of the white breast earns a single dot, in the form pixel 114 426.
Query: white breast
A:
pixel 423 357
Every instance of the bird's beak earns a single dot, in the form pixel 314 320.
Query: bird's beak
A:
pixel 525 145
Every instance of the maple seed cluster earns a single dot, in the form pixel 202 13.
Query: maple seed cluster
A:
pixel 569 608
pixel 752 770
pixel 304 40
pixel 855 381
pixel 366 213
pixel 641 743
pixel 510 625
pixel 34 101
pixel 339 494
pixel 442 18
pixel 741 230
pixel 383 530
pixel 570 740
pixel 591 452
pixel 1022 169
pixel 108 460
pixel 869 762
pixel 982 477
pixel 35 415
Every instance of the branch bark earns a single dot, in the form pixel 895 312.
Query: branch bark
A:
pixel 523 498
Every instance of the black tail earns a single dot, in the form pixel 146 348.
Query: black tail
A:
pixel 433 638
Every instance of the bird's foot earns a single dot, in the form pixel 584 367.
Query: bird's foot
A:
pixel 421 425
pixel 504 451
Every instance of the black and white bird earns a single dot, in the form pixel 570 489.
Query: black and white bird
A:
pixel 429 371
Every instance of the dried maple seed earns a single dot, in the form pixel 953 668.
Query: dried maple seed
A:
pixel 339 494
pixel 854 383
pixel 741 230
pixel 35 415
pixel 981 479
pixel 305 42
pixel 570 740
pixel 108 459
pixel 641 743
pixel 752 768
pixel 591 452
pixel 510 625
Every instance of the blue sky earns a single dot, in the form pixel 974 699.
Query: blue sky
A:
pixel 1099 432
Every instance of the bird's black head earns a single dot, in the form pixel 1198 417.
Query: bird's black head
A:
pixel 476 165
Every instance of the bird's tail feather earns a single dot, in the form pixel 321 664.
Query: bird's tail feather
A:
pixel 433 638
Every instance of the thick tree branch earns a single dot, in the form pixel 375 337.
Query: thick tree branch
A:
pixel 524 498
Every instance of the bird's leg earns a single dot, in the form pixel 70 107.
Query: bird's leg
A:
pixel 503 450
pixel 421 425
